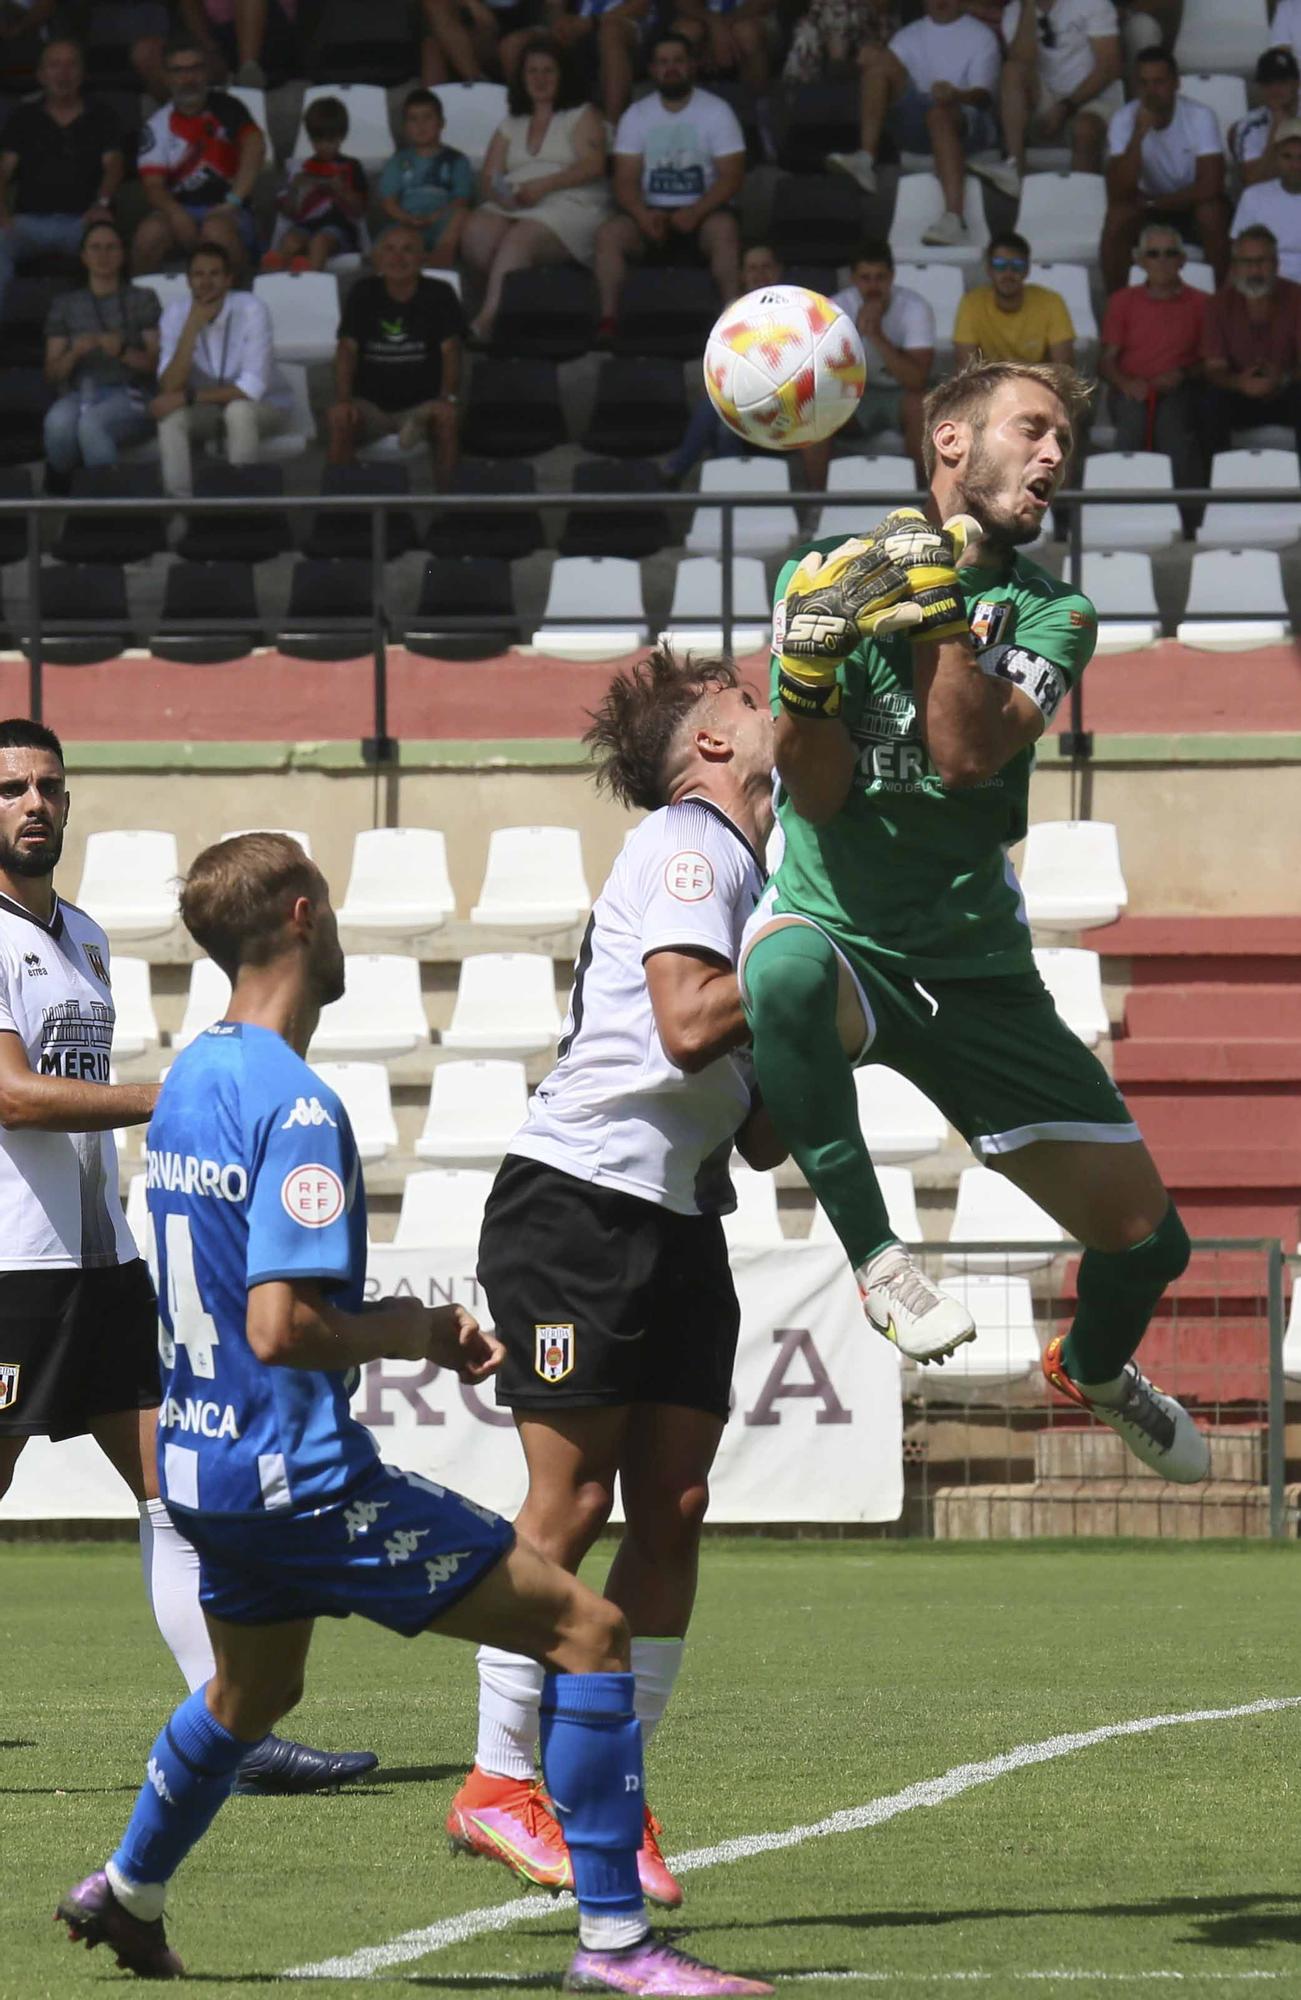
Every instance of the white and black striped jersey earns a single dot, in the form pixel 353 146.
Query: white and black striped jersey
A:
pixel 59 1205
pixel 615 1109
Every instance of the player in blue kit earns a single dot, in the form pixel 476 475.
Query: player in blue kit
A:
pixel 258 1220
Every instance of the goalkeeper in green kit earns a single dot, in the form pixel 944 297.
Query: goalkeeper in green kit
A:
pixel 914 669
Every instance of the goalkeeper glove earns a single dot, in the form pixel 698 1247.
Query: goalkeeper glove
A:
pixel 929 559
pixel 830 605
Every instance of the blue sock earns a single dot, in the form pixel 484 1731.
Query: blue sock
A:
pixel 191 1770
pixel 591 1760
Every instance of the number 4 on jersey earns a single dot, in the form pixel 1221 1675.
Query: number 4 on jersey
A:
pixel 177 1284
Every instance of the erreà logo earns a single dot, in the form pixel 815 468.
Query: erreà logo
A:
pixel 308 1111
pixel 32 963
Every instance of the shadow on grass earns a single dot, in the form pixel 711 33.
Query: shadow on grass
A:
pixel 17 1743
pixel 1234 1922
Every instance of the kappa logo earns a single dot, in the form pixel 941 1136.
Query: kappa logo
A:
pixel 32 964
pixel 158 1779
pixel 9 1374
pixel 309 1111
pixel 97 965
pixel 403 1543
pixel 361 1516
pixel 441 1569
pixel 553 1352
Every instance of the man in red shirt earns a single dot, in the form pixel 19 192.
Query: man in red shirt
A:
pixel 200 157
pixel 1151 357
pixel 1251 345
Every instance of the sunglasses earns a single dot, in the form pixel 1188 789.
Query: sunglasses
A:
pixel 1162 253
pixel 1008 264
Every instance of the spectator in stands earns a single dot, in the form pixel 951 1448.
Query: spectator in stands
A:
pixel 141 27
pixel 199 159
pixel 1061 80
pixel 606 37
pixel 397 369
pixel 1165 157
pixel 427 185
pixel 1251 345
pixel 101 353
pixel 1251 141
pixel 829 34
pixel 543 183
pixel 247 40
pixel 468 41
pixel 1152 355
pixel 897 328
pixel 1008 319
pixel 60 165
pixel 729 38
pixel 1277 203
pixel 679 162
pixel 216 375
pixel 323 202
pixel 933 89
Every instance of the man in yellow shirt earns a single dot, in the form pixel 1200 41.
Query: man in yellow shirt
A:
pixel 1009 320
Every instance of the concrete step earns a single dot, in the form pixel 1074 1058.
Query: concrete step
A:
pixel 1213 1008
pixel 1229 1062
pixel 1094 1453
pixel 1106 1507
pixel 1180 950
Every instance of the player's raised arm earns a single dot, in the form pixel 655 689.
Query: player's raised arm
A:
pixel 30 1102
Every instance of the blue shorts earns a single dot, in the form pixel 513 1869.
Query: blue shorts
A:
pixel 906 124
pixel 394 1548
pixel 245 222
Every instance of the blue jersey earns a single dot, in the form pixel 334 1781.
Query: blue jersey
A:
pixel 253 1175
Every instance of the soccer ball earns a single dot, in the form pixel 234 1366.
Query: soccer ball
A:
pixel 784 367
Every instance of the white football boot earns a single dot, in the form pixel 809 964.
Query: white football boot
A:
pixel 900 1301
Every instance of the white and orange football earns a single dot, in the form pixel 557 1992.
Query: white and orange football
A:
pixel 784 367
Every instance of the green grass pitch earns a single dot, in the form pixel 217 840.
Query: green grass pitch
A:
pixel 820 1676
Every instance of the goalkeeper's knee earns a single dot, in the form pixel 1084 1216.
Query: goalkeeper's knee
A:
pixel 1134 1279
pixel 792 982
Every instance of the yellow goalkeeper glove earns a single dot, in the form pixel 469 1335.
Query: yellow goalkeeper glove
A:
pixel 830 605
pixel 928 558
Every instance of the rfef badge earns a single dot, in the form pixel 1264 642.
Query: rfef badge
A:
pixel 553 1350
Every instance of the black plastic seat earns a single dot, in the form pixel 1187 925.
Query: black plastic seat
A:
pixel 603 531
pixel 27 306
pixel 666 312
pixel 113 537
pixel 85 618
pixel 551 314
pixel 15 484
pixel 210 614
pixel 25 396
pixel 234 536
pixel 330 615
pixel 816 119
pixel 513 410
pixel 336 537
pixel 814 277
pixel 363 44
pixel 453 590
pixel 816 218
pixel 457 531
pixel 640 410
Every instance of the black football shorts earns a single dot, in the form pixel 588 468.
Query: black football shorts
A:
pixel 76 1345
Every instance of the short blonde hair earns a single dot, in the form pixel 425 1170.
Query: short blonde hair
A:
pixel 965 396
pixel 238 895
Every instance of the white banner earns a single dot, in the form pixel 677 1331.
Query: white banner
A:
pixel 815 1433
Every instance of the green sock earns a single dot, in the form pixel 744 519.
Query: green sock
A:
pixel 1117 1295
pixel 807 1081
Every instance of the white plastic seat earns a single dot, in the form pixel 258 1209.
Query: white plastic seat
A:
pixel 941 286
pixel 472 112
pixel 290 832
pixel 605 589
pixel 1064 213
pixel 1240 524
pixel 899 1193
pixel 128 882
pixel 1105 526
pixel 136 1209
pixel 135 1028
pixel 1120 587
pixel 918 202
pixel 1073 976
pixel 760 531
pixel 888 473
pixel 1195 273
pixel 1071 876
pixel 304 309
pixel 697 609
pixel 534 879
pixel 1070 282
pixel 1006 1347
pixel 399 882
pixel 1235 600
pixel 1214 37
pixel 505 1001
pixel 475 1110
pixel 254 102
pixel 992 1209
pixel 1292 1335
pixel 754 1224
pixel 206 1002
pixel 1223 94
pixel 898 1121
pixel 381 1013
pixel 442 1209
pixel 368 1101
pixel 370 134
pixel 299 433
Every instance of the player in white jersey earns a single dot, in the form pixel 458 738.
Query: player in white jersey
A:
pixel 602 1255
pixel 78 1317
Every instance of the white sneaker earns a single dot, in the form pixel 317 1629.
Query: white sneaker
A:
pixel 860 167
pixel 1004 175
pixel 924 1323
pixel 1156 1428
pixel 948 230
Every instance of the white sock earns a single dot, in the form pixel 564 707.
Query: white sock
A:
pixel 611 1933
pixel 146 1900
pixel 1111 1393
pixel 510 1694
pixel 656 1664
pixel 171 1567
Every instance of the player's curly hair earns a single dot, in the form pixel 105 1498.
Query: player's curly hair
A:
pixel 238 895
pixel 965 396
pixel 633 730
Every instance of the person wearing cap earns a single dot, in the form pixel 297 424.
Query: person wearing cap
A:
pixel 1251 345
pixel 1285 28
pixel 1251 140
pixel 1277 202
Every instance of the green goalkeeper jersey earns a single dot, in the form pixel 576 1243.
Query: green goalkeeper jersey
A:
pixel 912 873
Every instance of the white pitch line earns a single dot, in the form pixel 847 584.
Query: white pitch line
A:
pixel 951 1784
pixel 530 1979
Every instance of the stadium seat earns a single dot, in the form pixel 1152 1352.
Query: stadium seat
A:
pixel 206 1002
pixel 331 613
pixel 15 484
pixel 754 1223
pixel 374 43
pixel 1214 38
pixel 1225 95
pixel 457 588
pixel 885 474
pixel 399 883
pixel 1064 212
pixel 25 396
pixel 899 1193
pixel 549 311
pixel 341 536
pixel 472 112
pixel 136 1209
pixel 304 309
pixel 475 1110
pixel 1238 524
pixel 898 1121
pixel 1120 586
pixel 1292 1336
pixel 604 531
pixel 669 319
pixel 111 536
pixel 594 609
pixel 299 434
pixel 368 1101
pixel 381 1013
pixel 1006 1347
pixel 763 531
pixel 992 1209
pixel 209 616
pixel 941 286
pixel 506 532
pixel 817 218
pixel 815 119
pixel 534 879
pixel 1073 977
pixel 695 618
pixel 505 1002
pixel 917 204
pixel 513 410
pixel 640 408
pixel 1071 876
pixel 370 132
pixel 1070 282
pixel 28 300
pixel 442 1209
pixel 290 832
pixel 87 595
pixel 1113 526
pixel 233 536
pixel 135 1029
pixel 1235 600
pixel 167 286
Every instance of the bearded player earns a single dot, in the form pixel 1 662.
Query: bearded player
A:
pixel 914 670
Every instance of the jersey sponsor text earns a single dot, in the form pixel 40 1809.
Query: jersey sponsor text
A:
pixel 183 1173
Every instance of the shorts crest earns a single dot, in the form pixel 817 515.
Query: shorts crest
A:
pixel 9 1373
pixel 553 1350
